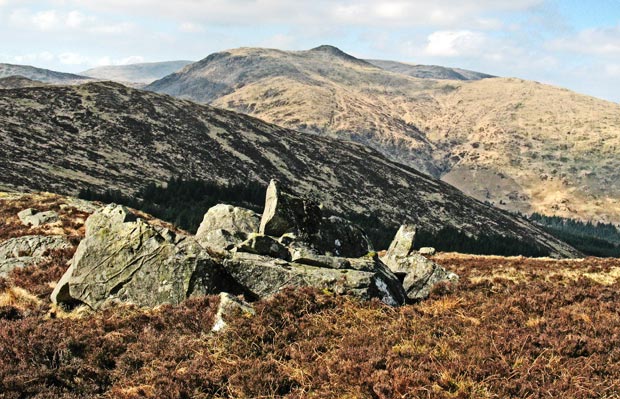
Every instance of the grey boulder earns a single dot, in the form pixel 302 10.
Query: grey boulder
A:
pixel 301 223
pixel 27 250
pixel 30 217
pixel 225 226
pixel 418 274
pixel 125 259
pixel 264 245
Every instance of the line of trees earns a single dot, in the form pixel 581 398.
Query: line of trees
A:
pixel 596 239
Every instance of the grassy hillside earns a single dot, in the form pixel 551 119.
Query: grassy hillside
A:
pixel 122 139
pixel 521 145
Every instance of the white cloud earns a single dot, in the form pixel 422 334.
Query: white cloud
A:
pixel 600 41
pixel 190 27
pixel 613 70
pixel 70 58
pixel 56 21
pixel 447 13
pixel 279 41
pixel 44 56
pixel 455 43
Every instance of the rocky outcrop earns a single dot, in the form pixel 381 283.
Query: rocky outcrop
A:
pixel 264 276
pixel 31 217
pixel 302 223
pixel 126 259
pixel 123 258
pixel 27 250
pixel 418 274
pixel 264 245
pixel 296 245
pixel 225 226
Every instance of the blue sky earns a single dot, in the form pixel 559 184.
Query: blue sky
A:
pixel 573 44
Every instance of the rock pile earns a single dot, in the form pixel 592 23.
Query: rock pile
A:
pixel 27 250
pixel 418 274
pixel 125 259
pixel 293 243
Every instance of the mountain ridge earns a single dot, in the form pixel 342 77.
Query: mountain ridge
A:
pixel 122 138
pixel 141 73
pixel 520 145
pixel 41 74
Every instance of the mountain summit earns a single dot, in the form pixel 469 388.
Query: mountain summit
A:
pixel 517 144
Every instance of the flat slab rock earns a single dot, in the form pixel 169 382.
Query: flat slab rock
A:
pixel 264 276
pixel 30 217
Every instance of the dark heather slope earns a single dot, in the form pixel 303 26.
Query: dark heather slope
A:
pixel 41 75
pixel 108 136
pixel 429 71
pixel 16 82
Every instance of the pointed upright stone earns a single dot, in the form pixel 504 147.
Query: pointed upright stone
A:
pixel 403 242
pixel 285 213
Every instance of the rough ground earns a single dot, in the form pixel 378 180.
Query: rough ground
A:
pixel 511 328
pixel 520 145
pixel 107 136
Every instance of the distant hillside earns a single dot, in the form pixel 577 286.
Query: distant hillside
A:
pixel 16 82
pixel 143 73
pixel 41 75
pixel 520 145
pixel 429 71
pixel 122 139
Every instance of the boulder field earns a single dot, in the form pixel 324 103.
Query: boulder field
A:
pixel 126 259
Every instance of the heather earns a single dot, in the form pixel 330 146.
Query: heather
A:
pixel 512 327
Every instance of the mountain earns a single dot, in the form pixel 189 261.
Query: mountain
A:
pixel 429 71
pixel 16 82
pixel 143 73
pixel 122 138
pixel 41 75
pixel 520 145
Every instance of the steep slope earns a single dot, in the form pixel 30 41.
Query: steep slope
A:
pixel 16 82
pixel 143 73
pixel 322 90
pixel 429 71
pixel 520 145
pixel 41 75
pixel 122 138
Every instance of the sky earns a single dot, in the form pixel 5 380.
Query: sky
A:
pixel 573 44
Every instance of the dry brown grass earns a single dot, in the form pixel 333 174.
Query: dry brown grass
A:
pixel 544 334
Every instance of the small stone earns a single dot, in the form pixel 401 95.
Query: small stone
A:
pixel 429 251
pixel 228 305
pixel 30 217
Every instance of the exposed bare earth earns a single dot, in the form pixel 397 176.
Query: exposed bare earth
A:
pixel 518 144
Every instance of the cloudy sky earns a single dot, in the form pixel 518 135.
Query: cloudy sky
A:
pixel 575 44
